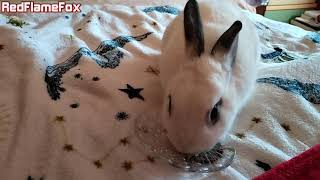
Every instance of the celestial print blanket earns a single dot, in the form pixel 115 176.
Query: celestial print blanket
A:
pixel 71 86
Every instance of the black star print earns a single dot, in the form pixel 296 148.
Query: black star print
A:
pixel 127 165
pixel 77 76
pixel 240 135
pixel 1 47
pixel 75 105
pixel 79 29
pixel 263 165
pixel 132 92
pixel 98 164
pixel 134 26
pixel 286 127
pixel 30 178
pixel 154 23
pixel 121 116
pixel 124 141
pixel 60 119
pixel 61 89
pixel 256 120
pixel 151 159
pixel 95 78
pixel 68 147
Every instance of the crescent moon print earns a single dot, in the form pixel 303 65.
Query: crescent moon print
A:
pixel 309 91
pixel 162 9
pixel 107 55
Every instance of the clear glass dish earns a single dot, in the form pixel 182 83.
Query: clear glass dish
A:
pixel 154 140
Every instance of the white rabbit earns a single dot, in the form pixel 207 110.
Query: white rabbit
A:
pixel 208 71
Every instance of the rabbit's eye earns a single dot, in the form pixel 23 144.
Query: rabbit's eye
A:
pixel 169 105
pixel 215 113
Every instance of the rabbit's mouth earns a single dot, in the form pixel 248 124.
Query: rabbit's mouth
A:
pixel 155 141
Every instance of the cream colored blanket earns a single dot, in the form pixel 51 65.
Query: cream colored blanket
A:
pixel 71 86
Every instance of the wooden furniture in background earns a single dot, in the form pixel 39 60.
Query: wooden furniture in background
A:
pixel 285 10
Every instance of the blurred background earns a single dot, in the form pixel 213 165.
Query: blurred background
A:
pixel 302 13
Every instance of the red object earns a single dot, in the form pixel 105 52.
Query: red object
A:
pixel 305 166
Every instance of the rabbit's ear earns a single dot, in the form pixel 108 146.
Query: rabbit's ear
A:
pixel 193 28
pixel 226 47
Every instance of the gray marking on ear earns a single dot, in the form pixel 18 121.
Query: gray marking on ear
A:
pixel 193 28
pixel 227 45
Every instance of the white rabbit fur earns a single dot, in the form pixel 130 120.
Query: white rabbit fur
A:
pixel 196 83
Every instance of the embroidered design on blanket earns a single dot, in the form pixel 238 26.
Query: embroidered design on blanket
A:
pixel 310 91
pixel 261 26
pixel 263 165
pixel 255 121
pixel 153 70
pixel 120 116
pixel 100 160
pixel 277 56
pixel 31 178
pixel 74 105
pixel 127 165
pixel 314 36
pixel 162 9
pixel 78 76
pixel 95 78
pixel 107 55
